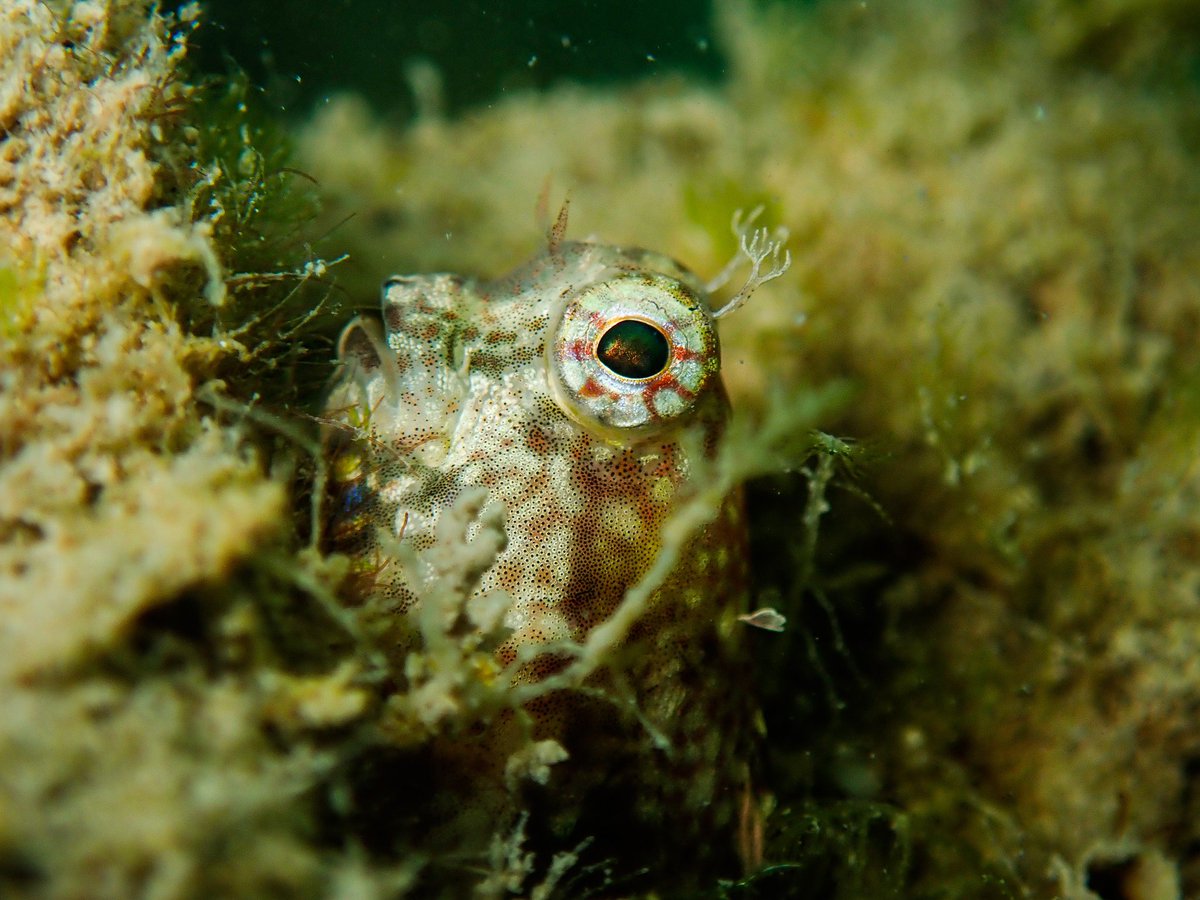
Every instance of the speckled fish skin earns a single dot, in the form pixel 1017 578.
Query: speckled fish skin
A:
pixel 498 384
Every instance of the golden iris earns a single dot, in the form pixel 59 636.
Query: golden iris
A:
pixel 633 349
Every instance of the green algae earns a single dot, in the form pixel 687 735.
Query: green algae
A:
pixel 282 307
pixel 17 298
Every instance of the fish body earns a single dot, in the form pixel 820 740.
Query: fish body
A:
pixel 583 394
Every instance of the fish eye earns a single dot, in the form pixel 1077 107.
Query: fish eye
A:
pixel 633 349
pixel 632 354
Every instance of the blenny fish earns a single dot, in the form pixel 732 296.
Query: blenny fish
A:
pixel 580 392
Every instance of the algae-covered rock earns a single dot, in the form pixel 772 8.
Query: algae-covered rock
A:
pixel 127 766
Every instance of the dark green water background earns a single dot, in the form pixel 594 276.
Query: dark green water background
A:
pixel 302 52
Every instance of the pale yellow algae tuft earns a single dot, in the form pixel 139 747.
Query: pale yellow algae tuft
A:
pixel 114 492
pixel 117 493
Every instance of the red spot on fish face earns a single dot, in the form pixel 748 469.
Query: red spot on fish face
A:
pixel 577 349
pixel 592 389
pixel 682 353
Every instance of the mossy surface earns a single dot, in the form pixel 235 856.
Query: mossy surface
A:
pixel 988 683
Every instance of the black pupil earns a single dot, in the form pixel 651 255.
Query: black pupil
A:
pixel 633 349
